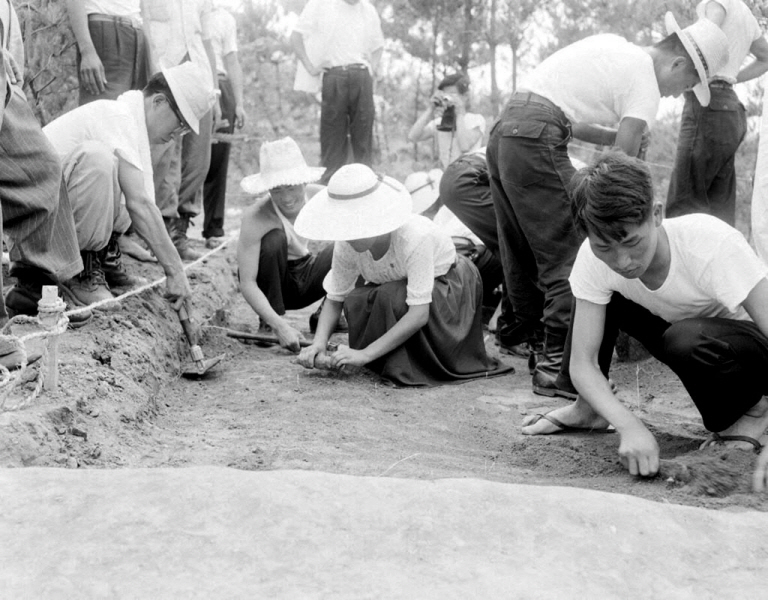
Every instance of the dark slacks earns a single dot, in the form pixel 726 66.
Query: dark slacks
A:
pixel 215 188
pixel 346 118
pixel 704 178
pixel 721 362
pixel 291 284
pixel 123 51
pixel 529 168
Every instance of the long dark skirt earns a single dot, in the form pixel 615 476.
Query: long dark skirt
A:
pixel 448 349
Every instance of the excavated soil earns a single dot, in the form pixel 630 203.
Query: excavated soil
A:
pixel 122 403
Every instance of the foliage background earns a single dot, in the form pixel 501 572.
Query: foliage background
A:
pixel 495 41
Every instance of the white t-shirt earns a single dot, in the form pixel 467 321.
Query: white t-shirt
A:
pixel 601 80
pixel 712 271
pixel 418 252
pixel 741 28
pixel 339 33
pixel 223 37
pixel 118 124
pixel 115 8
pixel 448 145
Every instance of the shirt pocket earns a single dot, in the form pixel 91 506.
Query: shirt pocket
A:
pixel 158 10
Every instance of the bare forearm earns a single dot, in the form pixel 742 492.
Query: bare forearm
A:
pixel 78 19
pixel 416 134
pixel 594 134
pixel 235 75
pixel 259 303
pixel 297 42
pixel 148 223
pixel 753 70
pixel 326 324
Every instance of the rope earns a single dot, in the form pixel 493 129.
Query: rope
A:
pixel 8 379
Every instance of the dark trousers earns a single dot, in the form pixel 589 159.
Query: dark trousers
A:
pixel 529 168
pixel 465 189
pixel 122 49
pixel 704 178
pixel 721 362
pixel 215 188
pixel 346 118
pixel 291 284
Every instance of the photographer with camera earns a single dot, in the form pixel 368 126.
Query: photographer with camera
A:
pixel 447 121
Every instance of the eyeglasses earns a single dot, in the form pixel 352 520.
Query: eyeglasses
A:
pixel 183 126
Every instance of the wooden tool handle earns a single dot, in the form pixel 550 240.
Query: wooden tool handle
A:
pixel 189 331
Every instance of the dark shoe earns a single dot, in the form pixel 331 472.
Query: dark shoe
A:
pixel 544 384
pixel 178 230
pixel 523 349
pixel 549 361
pixel 90 286
pixel 23 297
pixel 112 266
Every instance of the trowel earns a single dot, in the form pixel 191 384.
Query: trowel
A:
pixel 199 365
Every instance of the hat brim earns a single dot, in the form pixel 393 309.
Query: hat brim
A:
pixel 701 89
pixel 260 184
pixel 184 108
pixel 426 194
pixel 381 212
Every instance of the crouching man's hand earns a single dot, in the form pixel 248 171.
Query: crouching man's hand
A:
pixel 639 451
pixel 289 338
pixel 177 288
pixel 308 355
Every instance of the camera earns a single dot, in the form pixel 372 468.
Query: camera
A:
pixel 448 122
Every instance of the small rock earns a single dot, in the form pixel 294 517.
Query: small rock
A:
pixel 94 412
pixel 72 462
pixel 79 433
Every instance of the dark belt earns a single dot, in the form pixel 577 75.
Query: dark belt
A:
pixel 99 18
pixel 720 83
pixel 352 67
pixel 532 97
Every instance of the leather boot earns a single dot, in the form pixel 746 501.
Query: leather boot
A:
pixel 112 265
pixel 23 297
pixel 90 286
pixel 545 376
pixel 178 231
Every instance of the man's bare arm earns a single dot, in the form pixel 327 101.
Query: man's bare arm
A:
pixel 91 68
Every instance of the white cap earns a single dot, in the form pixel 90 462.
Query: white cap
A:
pixel 192 90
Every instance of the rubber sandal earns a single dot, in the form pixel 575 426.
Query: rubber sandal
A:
pixel 715 439
pixel 563 428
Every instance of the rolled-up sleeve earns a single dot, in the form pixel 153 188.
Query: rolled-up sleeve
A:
pixel 341 279
pixel 420 269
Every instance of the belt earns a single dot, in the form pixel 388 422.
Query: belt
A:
pixel 351 67
pixel 127 21
pixel 532 97
pixel 720 83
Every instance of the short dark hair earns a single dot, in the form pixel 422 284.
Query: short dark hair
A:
pixel 159 85
pixel 460 80
pixel 611 194
pixel 672 44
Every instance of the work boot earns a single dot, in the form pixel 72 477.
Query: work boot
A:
pixel 23 297
pixel 178 231
pixel 90 287
pixel 545 376
pixel 113 268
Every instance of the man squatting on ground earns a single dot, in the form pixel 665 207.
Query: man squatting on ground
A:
pixel 579 90
pixel 690 289
pixel 276 270
pixel 104 147
pixel 341 41
pixel 704 177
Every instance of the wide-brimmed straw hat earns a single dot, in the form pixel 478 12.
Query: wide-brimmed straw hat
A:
pixel 282 163
pixel 424 187
pixel 707 46
pixel 192 90
pixel 357 204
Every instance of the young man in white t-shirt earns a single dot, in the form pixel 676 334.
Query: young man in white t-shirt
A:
pixel 603 90
pixel 457 134
pixel 690 289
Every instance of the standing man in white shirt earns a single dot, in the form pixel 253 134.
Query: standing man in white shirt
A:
pixel 704 179
pixel 446 120
pixel 112 52
pixel 342 41
pixel 224 42
pixel 180 31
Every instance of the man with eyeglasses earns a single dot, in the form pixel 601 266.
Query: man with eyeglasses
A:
pixel 104 147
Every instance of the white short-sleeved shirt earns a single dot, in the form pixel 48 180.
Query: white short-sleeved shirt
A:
pixel 418 252
pixel 448 145
pixel 118 124
pixel 711 273
pixel 601 79
pixel 741 28
pixel 177 29
pixel 115 8
pixel 341 33
pixel 223 36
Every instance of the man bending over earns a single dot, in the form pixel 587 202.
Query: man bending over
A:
pixel 690 289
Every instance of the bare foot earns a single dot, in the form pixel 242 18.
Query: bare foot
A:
pixel 752 424
pixel 578 415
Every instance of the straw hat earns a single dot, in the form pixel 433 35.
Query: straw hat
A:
pixel 356 204
pixel 192 90
pixel 282 163
pixel 707 46
pixel 424 188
